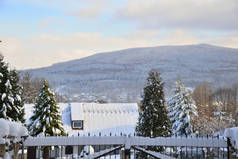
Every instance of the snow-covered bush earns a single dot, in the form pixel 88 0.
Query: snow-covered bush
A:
pixel 4 131
pixel 12 129
pixel 11 133
pixel 232 133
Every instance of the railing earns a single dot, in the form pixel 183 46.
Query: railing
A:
pixel 130 146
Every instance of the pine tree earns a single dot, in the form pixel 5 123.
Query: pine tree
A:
pixel 174 101
pixel 181 109
pixel 11 105
pixel 153 120
pixel 222 118
pixel 18 111
pixel 219 114
pixel 4 91
pixel 46 120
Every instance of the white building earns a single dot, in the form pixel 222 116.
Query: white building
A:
pixel 104 118
pixel 94 118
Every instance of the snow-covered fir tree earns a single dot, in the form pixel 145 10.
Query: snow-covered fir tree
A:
pixel 46 120
pixel 153 117
pixel 181 109
pixel 222 118
pixel 219 114
pixel 17 111
pixel 174 101
pixel 11 105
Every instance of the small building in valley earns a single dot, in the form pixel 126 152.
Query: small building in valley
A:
pixel 107 117
pixel 95 118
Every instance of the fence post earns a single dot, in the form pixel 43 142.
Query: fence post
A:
pixel 228 147
pixel 22 150
pixel 127 154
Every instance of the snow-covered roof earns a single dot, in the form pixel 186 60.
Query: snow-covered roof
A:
pixel 98 117
pixel 79 110
pixel 108 118
pixel 76 111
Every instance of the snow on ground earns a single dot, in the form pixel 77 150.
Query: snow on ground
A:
pixel 115 119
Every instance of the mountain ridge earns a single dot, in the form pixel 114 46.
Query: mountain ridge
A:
pixel 123 72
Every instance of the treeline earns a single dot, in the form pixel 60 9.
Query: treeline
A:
pixel 31 88
pixel 217 108
pixel 201 111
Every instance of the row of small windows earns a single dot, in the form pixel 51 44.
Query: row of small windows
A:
pixel 110 111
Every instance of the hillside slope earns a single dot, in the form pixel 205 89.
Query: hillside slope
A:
pixel 122 74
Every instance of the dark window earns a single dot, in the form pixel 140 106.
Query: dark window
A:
pixel 78 124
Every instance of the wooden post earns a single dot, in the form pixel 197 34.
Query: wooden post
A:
pixel 61 151
pixel 228 147
pixel 127 154
pixel 2 150
pixel 31 152
pixel 22 150
pixel 46 153
pixel 39 152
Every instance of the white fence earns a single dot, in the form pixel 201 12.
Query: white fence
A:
pixel 173 147
pixel 127 141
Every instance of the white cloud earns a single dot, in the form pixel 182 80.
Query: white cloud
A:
pixel 227 40
pixel 93 9
pixel 179 37
pixel 44 22
pixel 44 50
pixel 143 34
pixel 186 14
pixel 47 49
pixel 51 22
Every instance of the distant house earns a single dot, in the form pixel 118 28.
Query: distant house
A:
pixel 91 117
pixel 77 116
pixel 84 118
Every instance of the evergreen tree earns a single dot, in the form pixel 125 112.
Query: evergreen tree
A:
pixel 174 101
pixel 219 114
pixel 153 120
pixel 4 91
pixel 18 111
pixel 46 119
pixel 181 108
pixel 222 118
pixel 11 105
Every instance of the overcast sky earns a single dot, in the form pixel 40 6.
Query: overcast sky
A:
pixel 37 33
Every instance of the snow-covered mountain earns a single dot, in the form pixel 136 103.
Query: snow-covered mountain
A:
pixel 122 74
